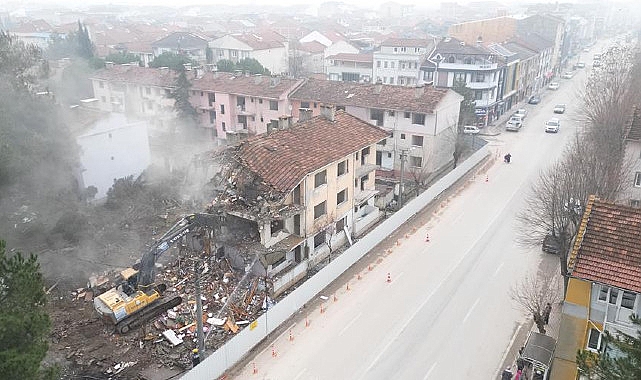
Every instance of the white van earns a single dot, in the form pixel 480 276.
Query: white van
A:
pixel 470 130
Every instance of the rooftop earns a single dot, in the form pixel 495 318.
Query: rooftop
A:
pixel 400 98
pixel 284 157
pixel 607 249
pixel 406 42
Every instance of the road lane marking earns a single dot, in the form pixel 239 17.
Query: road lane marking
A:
pixel 301 373
pixel 397 277
pixel 429 372
pixel 350 324
pixel 507 350
pixel 498 269
pixel 469 312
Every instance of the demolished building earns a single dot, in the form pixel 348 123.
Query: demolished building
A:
pixel 292 196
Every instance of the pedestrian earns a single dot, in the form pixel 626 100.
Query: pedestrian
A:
pixel 195 357
pixel 546 313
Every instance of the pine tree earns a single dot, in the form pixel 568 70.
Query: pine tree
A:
pixel 620 361
pixel 85 46
pixel 186 112
pixel 24 323
pixel 467 115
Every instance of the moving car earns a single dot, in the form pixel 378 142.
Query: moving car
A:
pixel 470 130
pixel 580 65
pixel 514 124
pixel 567 75
pixel 553 86
pixel 521 112
pixel 552 125
pixel 559 108
pixel 551 244
pixel 534 99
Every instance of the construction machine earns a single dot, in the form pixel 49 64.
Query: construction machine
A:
pixel 137 299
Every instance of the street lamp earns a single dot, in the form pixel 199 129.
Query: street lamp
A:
pixel 403 157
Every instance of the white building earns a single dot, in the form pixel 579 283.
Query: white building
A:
pixel 271 50
pixel 398 61
pixel 112 148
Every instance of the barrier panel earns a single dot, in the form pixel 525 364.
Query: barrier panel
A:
pixel 233 351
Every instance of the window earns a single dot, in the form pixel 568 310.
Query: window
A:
pixel 479 77
pixel 395 50
pixel 304 104
pixel 392 64
pixel 320 179
pixel 350 77
pixel 211 97
pixel 637 179
pixel 594 339
pixel 319 239
pixel 614 294
pixel 319 210
pixel 341 196
pixel 391 80
pixel 224 129
pixel 222 109
pixel 316 105
pixel 459 77
pixel 418 118
pixel 478 95
pixel 273 105
pixel 417 140
pixel 148 90
pixel 340 225
pixel 385 64
pixel 416 162
pixel 167 91
pixel 407 115
pixel 627 300
pixel 402 136
pixel 429 76
pixel 342 167
pixel 260 101
pixel 212 117
pixel 603 293
pixel 378 63
pixel 390 113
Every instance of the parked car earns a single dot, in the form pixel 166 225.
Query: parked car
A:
pixel 553 86
pixel 514 124
pixel 521 112
pixel 551 244
pixel 567 75
pixel 580 65
pixel 559 108
pixel 470 130
pixel 552 125
pixel 534 99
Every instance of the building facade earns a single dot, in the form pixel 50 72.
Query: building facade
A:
pixel 398 61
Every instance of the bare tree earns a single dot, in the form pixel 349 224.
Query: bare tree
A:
pixel 534 293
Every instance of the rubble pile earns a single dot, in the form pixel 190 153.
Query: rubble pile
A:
pixel 231 299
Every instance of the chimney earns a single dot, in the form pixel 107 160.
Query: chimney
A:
pixel 419 90
pixel 109 65
pixel 378 87
pixel 284 122
pixel 328 112
pixel 304 114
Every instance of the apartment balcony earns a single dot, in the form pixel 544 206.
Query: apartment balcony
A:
pixel 242 110
pixel 480 85
pixel 468 67
pixel 362 196
pixel 364 169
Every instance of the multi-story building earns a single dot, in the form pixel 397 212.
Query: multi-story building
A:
pixel 299 198
pixel 398 60
pixel 183 43
pixel 233 106
pixel 422 120
pixel 270 49
pixel 604 286
pixel 349 67
pixel 508 79
pixel 527 69
pixel 551 28
pixel 632 189
pixel 453 61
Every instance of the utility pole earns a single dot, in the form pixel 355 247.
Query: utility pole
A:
pixel 199 306
pixel 400 190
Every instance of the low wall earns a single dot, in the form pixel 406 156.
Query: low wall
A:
pixel 233 351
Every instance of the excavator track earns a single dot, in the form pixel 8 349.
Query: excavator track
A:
pixel 135 320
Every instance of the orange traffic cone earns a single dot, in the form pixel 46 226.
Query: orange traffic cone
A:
pixel 255 370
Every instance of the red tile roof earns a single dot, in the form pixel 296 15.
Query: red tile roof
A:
pixel 228 83
pixel 352 57
pixel 634 129
pixel 261 41
pixel 607 249
pixel 284 157
pixel 312 47
pixel 398 98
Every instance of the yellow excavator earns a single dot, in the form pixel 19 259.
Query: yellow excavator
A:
pixel 138 298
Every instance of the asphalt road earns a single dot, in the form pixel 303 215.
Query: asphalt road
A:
pixel 446 311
